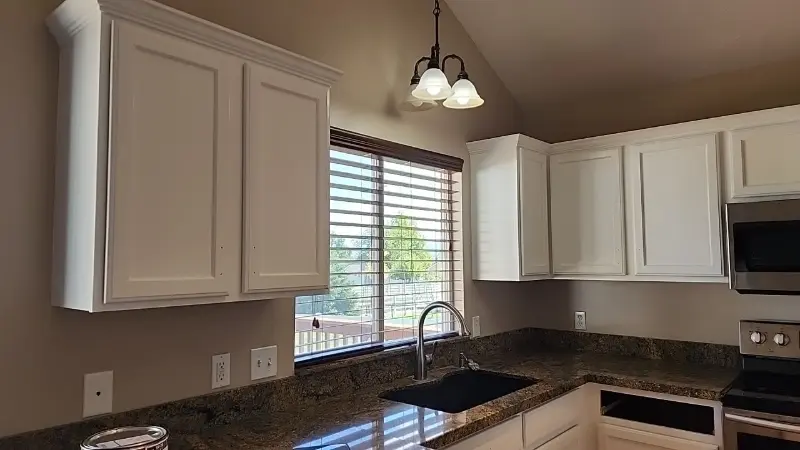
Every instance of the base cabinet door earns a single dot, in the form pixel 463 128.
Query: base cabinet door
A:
pixel 612 437
pixel 506 436
pixel 572 439
pixel 675 204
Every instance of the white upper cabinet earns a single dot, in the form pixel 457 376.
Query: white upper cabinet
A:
pixel 286 171
pixel 765 161
pixel 149 167
pixel 509 209
pixel 586 212
pixel 533 216
pixel 172 175
pixel 675 202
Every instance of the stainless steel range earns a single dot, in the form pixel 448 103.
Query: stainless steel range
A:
pixel 762 406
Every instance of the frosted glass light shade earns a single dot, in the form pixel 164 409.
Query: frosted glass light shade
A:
pixel 464 96
pixel 413 104
pixel 433 86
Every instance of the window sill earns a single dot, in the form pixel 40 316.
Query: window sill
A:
pixel 355 355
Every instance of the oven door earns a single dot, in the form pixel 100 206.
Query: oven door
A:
pixel 748 430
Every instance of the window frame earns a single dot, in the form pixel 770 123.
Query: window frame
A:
pixel 379 148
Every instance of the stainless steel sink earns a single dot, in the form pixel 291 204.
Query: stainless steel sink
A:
pixel 460 390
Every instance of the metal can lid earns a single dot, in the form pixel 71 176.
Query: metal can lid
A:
pixel 126 438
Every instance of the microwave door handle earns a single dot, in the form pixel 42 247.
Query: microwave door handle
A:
pixel 778 426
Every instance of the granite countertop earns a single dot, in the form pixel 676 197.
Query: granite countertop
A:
pixel 363 420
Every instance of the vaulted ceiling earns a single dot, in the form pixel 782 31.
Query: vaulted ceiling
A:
pixel 555 52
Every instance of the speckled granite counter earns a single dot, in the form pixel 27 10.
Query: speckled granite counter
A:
pixel 364 421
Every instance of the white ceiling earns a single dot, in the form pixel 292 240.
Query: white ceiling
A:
pixel 548 51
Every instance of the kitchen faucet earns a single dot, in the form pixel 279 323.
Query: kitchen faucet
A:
pixel 422 360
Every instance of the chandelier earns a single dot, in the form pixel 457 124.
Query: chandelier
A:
pixel 433 85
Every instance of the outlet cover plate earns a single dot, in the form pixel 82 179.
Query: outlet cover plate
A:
pixel 98 393
pixel 220 370
pixel 580 320
pixel 476 326
pixel 263 362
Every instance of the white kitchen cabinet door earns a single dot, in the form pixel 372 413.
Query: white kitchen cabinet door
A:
pixel 173 176
pixel 533 217
pixel 286 170
pixel 765 161
pixel 586 212
pixel 506 436
pixel 675 202
pixel 572 439
pixel 612 437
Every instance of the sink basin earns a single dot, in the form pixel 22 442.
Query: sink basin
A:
pixel 459 391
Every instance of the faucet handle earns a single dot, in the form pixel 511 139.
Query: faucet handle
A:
pixel 431 356
pixel 471 365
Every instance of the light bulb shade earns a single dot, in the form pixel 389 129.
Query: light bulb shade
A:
pixel 433 86
pixel 464 96
pixel 413 104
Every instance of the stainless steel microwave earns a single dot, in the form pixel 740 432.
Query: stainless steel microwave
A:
pixel 764 247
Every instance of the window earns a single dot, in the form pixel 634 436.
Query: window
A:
pixel 393 249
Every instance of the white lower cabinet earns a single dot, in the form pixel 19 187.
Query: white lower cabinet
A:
pixel 506 436
pixel 572 439
pixel 612 437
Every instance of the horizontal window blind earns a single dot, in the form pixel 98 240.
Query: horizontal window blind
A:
pixel 393 251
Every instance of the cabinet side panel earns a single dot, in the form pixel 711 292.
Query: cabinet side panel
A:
pixel 495 228
pixel 77 184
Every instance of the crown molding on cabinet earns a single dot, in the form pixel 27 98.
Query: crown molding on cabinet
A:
pixel 73 15
pixel 512 140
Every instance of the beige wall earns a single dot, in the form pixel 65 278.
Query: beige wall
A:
pixel 681 311
pixel 162 355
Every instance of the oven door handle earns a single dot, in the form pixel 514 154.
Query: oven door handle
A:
pixel 778 426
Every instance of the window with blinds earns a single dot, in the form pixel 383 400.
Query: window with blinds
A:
pixel 393 250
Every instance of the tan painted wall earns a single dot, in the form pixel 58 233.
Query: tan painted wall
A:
pixel 681 311
pixel 162 355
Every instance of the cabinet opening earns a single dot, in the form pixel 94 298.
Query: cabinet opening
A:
pixel 654 411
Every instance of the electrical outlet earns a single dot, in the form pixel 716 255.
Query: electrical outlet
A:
pixel 98 390
pixel 220 370
pixel 263 362
pixel 580 320
pixel 476 326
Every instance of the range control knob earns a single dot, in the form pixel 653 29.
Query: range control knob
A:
pixel 781 339
pixel 758 337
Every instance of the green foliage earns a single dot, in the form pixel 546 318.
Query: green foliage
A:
pixel 343 294
pixel 405 256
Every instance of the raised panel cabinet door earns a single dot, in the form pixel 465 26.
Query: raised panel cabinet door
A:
pixel 173 176
pixel 612 437
pixel 572 439
pixel 676 206
pixel 533 216
pixel 506 436
pixel 286 170
pixel 765 160
pixel 586 212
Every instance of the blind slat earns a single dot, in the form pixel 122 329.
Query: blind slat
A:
pixel 378 203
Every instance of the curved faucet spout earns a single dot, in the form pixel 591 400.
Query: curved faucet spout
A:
pixel 422 369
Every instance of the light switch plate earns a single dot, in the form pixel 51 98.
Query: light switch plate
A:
pixel 580 320
pixel 263 362
pixel 220 370
pixel 98 393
